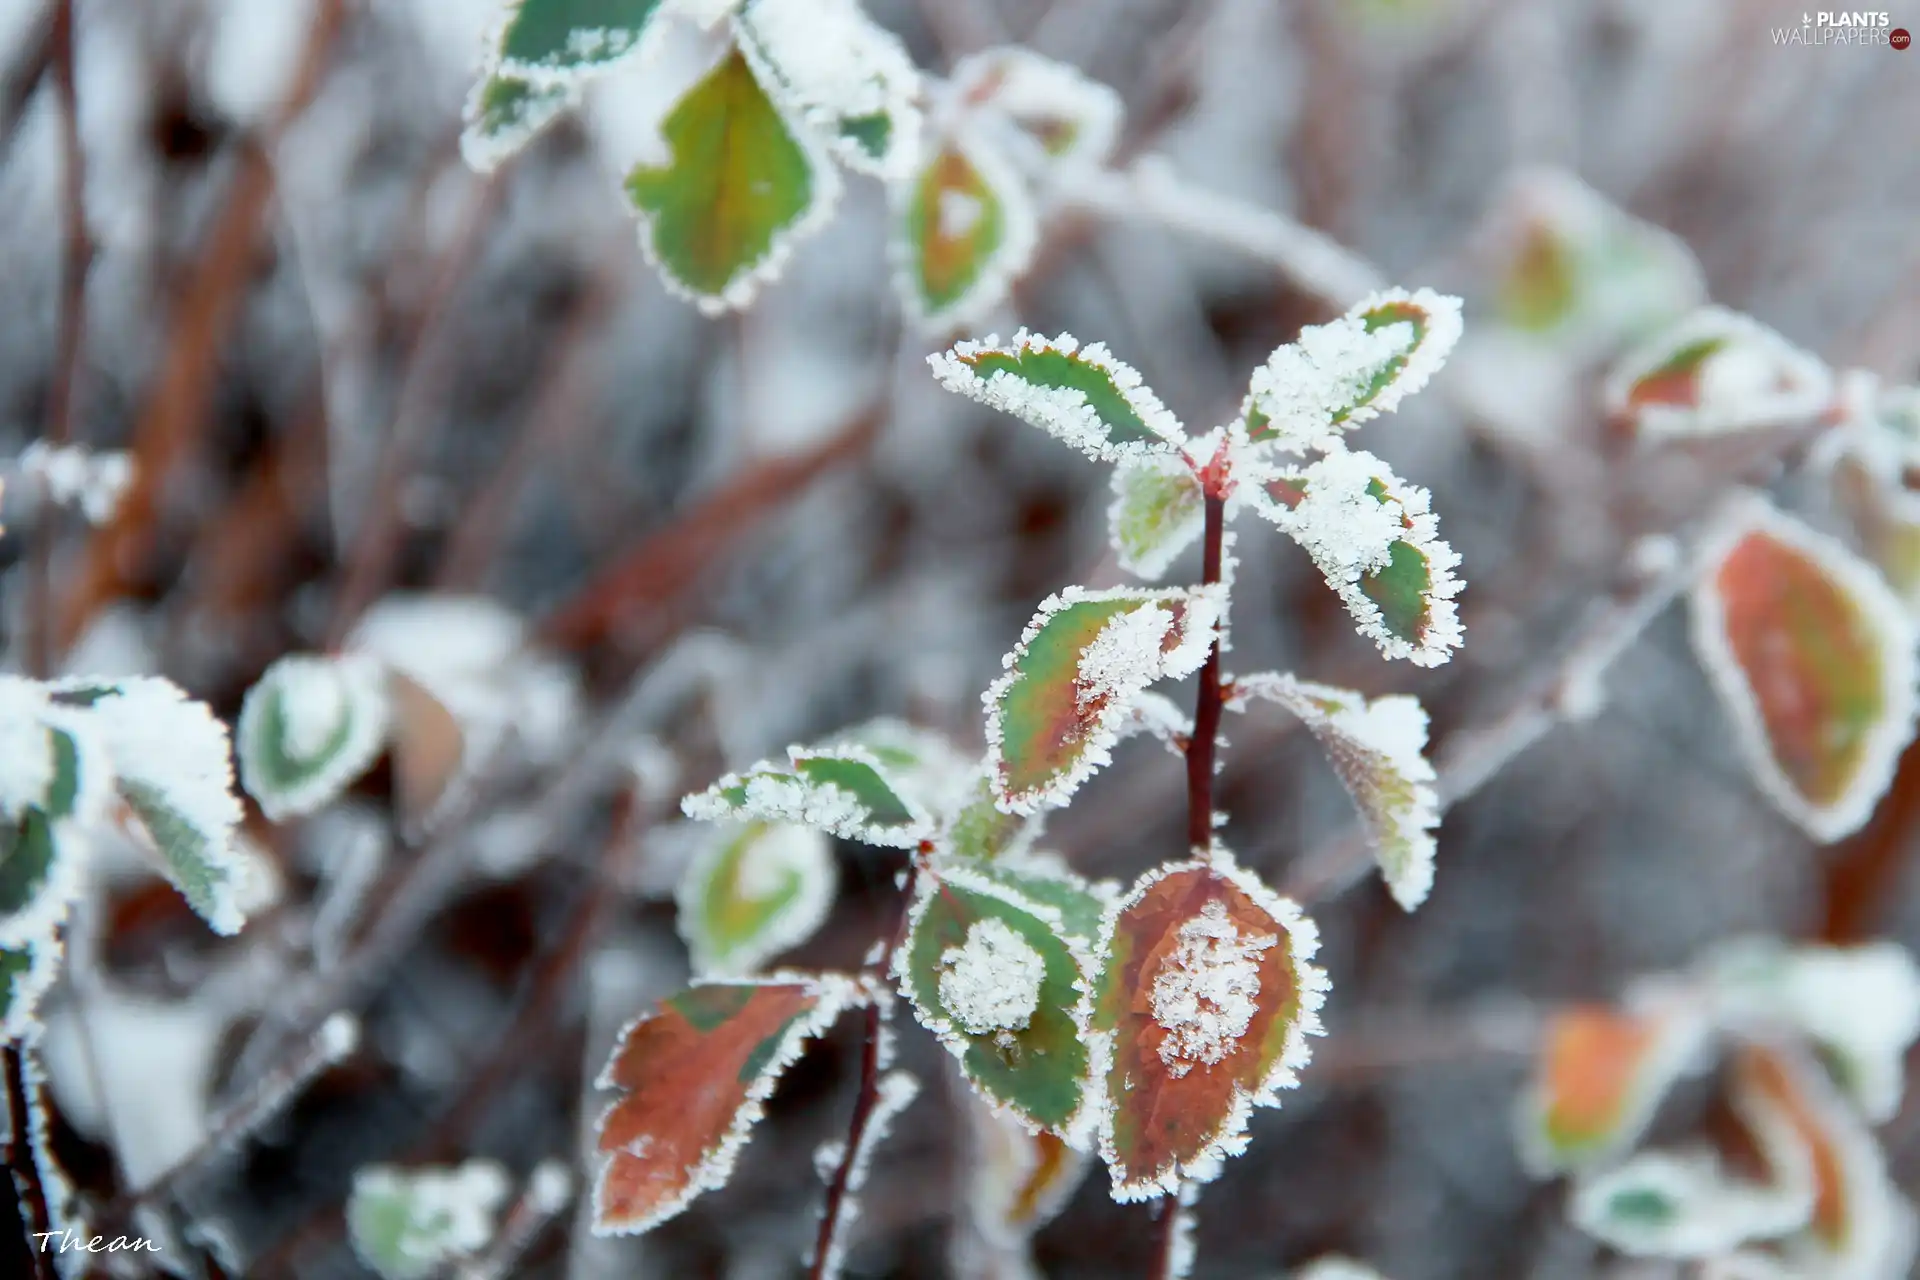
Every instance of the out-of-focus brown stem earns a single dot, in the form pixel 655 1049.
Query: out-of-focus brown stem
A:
pixel 34 1218
pixel 664 563
pixel 175 413
pixel 1864 873
pixel 76 259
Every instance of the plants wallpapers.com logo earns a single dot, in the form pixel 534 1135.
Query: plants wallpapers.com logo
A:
pixel 1845 27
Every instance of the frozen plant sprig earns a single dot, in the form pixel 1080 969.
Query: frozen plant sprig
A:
pixel 1147 1024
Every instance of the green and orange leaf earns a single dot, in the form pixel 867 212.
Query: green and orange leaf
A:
pixel 964 228
pixel 1814 660
pixel 1017 1180
pixel 753 891
pixel 1601 1074
pixel 1053 718
pixel 1200 1011
pixel 1717 371
pixel 743 184
pixel 994 974
pixel 1079 394
pixel 694 1076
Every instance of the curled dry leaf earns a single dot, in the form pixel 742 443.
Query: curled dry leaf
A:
pixel 695 1074
pixel 1053 718
pixel 1814 660
pixel 1377 747
pixel 1200 1011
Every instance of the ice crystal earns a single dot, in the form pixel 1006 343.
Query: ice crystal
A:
pixel 991 982
pixel 1207 989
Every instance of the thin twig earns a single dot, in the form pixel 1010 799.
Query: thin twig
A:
pixel 34 1216
pixel 76 260
pixel 1206 711
pixel 863 1103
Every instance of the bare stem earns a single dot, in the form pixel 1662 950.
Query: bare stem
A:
pixel 1206 711
pixel 34 1216
pixel 863 1103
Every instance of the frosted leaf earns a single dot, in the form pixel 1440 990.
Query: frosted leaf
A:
pixel 408 1224
pixel 842 789
pixel 75 476
pixel 1159 715
pixel 1178 1068
pixel 1714 372
pixel 1859 1004
pixel 1054 717
pixel 502 115
pixel 1046 879
pixel 25 746
pixel 1339 375
pixel 752 892
pixel 695 1075
pixel 1378 749
pixel 308 729
pixel 834 68
pixel 1073 121
pixel 979 828
pixel 1080 394
pixel 919 762
pixel 994 975
pixel 1683 1205
pixel 964 228
pixel 551 42
pixel 1158 511
pixel 991 982
pixel 1207 989
pixel 1813 658
pixel 893 1093
pixel 1376 540
pixel 1861 1225
pixel 742 185
pixel 173 766
pixel 1601 1074
pixel 1572 269
pixel 27 970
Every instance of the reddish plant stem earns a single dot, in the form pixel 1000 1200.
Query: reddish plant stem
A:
pixel 1206 711
pixel 838 1190
pixel 35 1218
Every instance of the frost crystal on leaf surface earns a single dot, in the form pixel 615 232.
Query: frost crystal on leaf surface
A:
pixel 991 982
pixel 1206 992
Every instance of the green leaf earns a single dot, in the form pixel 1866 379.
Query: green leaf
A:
pixel 1339 375
pixel 173 766
pixel 1080 394
pixel 504 114
pixel 308 729
pixel 743 185
pixel 27 969
pixel 37 884
pixel 1202 1005
pixel 752 892
pixel 964 230
pixel 1716 372
pixel 842 789
pixel 1050 882
pixel 1683 1205
pixel 1053 718
pixel 862 95
pixel 1377 747
pixel 694 1076
pixel 1814 661
pixel 981 829
pixel 1158 511
pixel 549 41
pixel 410 1224
pixel 993 974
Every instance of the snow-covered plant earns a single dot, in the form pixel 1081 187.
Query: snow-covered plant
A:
pixel 1811 1042
pixel 1144 1023
pixel 409 1224
pixel 80 753
pixel 793 91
